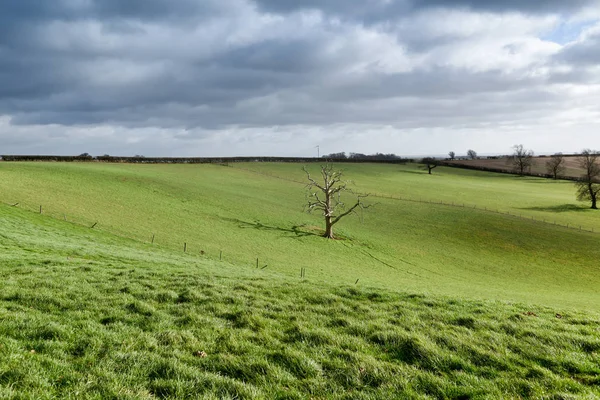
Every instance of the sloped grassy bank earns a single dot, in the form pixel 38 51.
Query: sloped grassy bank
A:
pixel 89 331
pixel 90 315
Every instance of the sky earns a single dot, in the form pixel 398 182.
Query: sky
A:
pixel 281 77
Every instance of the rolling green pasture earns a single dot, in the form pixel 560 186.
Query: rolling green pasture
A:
pixel 86 314
pixel 543 199
pixel 255 210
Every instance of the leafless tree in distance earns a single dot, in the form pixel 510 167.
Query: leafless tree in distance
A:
pixel 452 155
pixel 325 196
pixel 555 165
pixel 521 159
pixel 472 154
pixel 429 163
pixel 588 188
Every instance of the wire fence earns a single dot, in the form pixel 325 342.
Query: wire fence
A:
pixel 259 263
pixel 152 237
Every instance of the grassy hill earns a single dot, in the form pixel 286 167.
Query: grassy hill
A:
pixel 87 314
pixel 255 210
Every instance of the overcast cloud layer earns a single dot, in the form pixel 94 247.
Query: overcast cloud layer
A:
pixel 279 77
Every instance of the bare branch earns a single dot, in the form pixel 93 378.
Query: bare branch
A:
pixel 311 180
pixel 358 204
pixel 521 159
pixel 555 165
pixel 331 202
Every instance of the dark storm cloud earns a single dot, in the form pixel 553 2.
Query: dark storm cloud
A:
pixel 37 10
pixel 42 84
pixel 538 6
pixel 52 95
pixel 374 10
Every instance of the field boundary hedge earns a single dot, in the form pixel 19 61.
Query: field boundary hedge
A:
pixel 194 160
pixel 506 171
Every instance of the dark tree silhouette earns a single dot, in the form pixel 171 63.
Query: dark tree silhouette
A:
pixel 555 165
pixel 335 156
pixel 325 196
pixel 429 163
pixel 472 154
pixel 588 188
pixel 521 159
pixel 452 155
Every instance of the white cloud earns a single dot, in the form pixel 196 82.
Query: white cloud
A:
pixel 229 78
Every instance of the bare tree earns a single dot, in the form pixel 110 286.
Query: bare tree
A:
pixel 326 197
pixel 588 188
pixel 429 163
pixel 521 159
pixel 452 155
pixel 472 154
pixel 555 165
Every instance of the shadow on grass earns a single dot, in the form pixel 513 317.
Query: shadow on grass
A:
pixel 296 229
pixel 559 209
pixel 417 172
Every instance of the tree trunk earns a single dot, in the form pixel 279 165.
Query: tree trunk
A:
pixel 328 227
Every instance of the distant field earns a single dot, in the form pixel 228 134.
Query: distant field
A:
pixel 89 315
pixel 255 210
pixel 572 168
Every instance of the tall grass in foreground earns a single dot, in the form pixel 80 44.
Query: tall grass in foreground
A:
pixel 88 315
pixel 87 331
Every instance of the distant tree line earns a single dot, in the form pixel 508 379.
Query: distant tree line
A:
pixel 360 156
pixel 194 160
pixel 46 158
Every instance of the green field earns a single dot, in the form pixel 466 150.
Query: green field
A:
pixel 451 301
pixel 399 245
